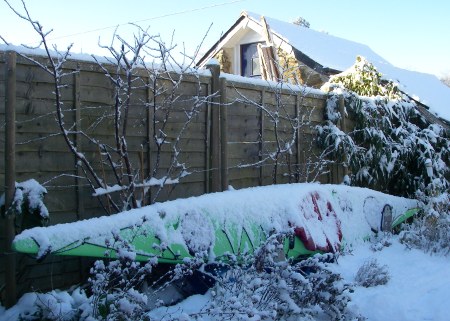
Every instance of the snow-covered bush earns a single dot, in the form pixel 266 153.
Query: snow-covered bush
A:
pixel 429 232
pixel 115 284
pixel 371 273
pixel 364 79
pixel 28 204
pixel 54 305
pixel 271 288
pixel 392 147
pixel 380 240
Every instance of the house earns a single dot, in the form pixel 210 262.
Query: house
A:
pixel 309 57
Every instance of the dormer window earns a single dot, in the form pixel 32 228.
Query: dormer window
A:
pixel 250 64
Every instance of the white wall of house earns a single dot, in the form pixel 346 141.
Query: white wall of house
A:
pixel 250 36
pixel 246 32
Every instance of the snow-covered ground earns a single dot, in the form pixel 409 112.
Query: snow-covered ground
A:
pixel 418 289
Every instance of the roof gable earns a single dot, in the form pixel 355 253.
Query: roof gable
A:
pixel 327 50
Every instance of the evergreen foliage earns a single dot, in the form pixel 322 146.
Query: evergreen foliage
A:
pixel 392 147
pixel 28 206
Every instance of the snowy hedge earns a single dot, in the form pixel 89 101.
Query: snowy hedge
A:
pixel 392 147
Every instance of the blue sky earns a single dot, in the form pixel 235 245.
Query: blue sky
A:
pixel 411 34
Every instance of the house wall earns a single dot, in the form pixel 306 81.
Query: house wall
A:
pixel 240 134
pixel 233 47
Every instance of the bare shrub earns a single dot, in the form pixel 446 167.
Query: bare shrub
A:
pixel 279 290
pixel 431 234
pixel 371 274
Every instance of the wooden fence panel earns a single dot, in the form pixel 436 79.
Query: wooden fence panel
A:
pixel 246 136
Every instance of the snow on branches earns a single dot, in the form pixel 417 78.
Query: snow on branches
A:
pixel 120 172
pixel 29 204
pixel 392 147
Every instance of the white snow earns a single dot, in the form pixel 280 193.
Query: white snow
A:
pixel 33 192
pixel 213 62
pixel 418 289
pixel 55 303
pixel 419 285
pixel 273 84
pixel 276 207
pixel 95 58
pixel 340 54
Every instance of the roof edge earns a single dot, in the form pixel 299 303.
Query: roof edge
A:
pixel 214 48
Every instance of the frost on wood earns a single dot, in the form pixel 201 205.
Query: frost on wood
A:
pixel 283 124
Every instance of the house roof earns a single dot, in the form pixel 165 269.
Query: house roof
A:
pixel 327 50
pixel 334 53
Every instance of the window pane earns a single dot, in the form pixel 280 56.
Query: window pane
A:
pixel 256 67
pixel 250 60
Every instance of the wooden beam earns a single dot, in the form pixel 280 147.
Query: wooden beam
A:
pixel 79 172
pixel 10 176
pixel 216 185
pixel 223 133
pixel 261 137
pixel 267 32
pixel 270 57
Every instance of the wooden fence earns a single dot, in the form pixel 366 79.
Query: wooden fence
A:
pixel 233 140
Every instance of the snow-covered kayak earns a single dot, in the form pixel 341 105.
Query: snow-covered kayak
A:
pixel 231 223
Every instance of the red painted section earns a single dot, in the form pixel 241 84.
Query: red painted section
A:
pixel 303 233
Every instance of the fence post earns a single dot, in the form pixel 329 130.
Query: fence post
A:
pixel 261 137
pixel 149 134
pixel 79 171
pixel 223 134
pixel 216 185
pixel 10 176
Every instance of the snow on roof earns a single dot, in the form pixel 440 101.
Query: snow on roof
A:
pixel 426 88
pixel 316 45
pixel 340 54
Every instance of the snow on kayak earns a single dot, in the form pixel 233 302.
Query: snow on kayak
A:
pixel 320 218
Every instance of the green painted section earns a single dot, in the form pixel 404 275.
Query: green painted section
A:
pixel 235 241
pixel 402 218
pixel 27 246
pixel 228 242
